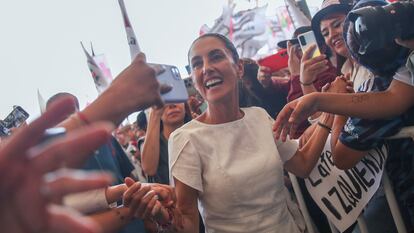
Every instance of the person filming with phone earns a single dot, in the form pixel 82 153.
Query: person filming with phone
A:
pixel 307 73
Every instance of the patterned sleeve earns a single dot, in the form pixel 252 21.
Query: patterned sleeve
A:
pixel 185 164
pixel 364 134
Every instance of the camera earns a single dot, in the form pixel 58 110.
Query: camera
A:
pixel 375 27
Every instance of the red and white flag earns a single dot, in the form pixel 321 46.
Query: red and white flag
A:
pixel 99 69
pixel 134 48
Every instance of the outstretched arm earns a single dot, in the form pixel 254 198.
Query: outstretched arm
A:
pixel 134 89
pixel 372 105
pixel 305 158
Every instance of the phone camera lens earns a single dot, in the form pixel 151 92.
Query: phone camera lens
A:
pixel 302 40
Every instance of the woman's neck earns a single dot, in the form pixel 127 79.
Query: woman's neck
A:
pixel 220 113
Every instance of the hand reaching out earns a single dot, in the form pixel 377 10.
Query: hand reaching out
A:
pixel 32 181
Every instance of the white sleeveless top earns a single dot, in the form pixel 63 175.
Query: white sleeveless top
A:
pixel 237 169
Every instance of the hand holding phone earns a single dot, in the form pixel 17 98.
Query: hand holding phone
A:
pixel 306 40
pixel 276 61
pixel 171 76
pixel 313 62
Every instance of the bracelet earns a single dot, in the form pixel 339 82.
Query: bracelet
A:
pixel 325 126
pixel 306 84
pixel 313 121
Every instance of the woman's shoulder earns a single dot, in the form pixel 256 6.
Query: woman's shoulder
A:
pixel 187 129
pixel 256 112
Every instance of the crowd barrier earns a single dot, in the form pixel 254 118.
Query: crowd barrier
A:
pixel 388 190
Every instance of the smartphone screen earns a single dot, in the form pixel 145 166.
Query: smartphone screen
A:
pixel 16 117
pixel 306 40
pixel 4 131
pixel 171 76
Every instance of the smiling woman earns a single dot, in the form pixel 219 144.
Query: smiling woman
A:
pixel 227 158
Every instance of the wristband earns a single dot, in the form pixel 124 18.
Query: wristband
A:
pixel 324 126
pixel 313 120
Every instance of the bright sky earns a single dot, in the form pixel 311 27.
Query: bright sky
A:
pixel 40 47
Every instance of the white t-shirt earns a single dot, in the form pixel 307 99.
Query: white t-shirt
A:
pixel 237 169
pixel 404 75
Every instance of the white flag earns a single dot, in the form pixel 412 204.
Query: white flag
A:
pixel 41 101
pixel 249 31
pixel 223 24
pixel 299 18
pixel 101 80
pixel 134 48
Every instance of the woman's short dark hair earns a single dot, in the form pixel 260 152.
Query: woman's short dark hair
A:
pixel 227 43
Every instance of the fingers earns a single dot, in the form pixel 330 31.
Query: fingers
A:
pixel 146 204
pixel 308 53
pixel 139 200
pixel 317 65
pixel 165 88
pixel 67 181
pixel 132 189
pixel 129 181
pixel 72 150
pixel 326 87
pixel 159 69
pixel 290 49
pixel 30 135
pixel 165 193
pixel 66 220
pixel 281 120
pixel 156 209
pixel 350 89
pixel 140 58
pixel 285 131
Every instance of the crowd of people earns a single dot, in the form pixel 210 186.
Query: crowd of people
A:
pixel 218 162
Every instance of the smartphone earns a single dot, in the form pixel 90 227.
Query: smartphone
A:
pixel 17 116
pixel 306 40
pixel 171 76
pixel 276 61
pixel 4 131
pixel 190 87
pixel 283 43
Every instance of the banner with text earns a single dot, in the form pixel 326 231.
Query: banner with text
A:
pixel 343 194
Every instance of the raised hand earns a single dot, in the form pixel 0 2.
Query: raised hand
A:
pixel 31 179
pixel 292 115
pixel 294 58
pixel 310 67
pixel 135 88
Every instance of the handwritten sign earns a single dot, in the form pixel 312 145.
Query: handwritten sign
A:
pixel 343 194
